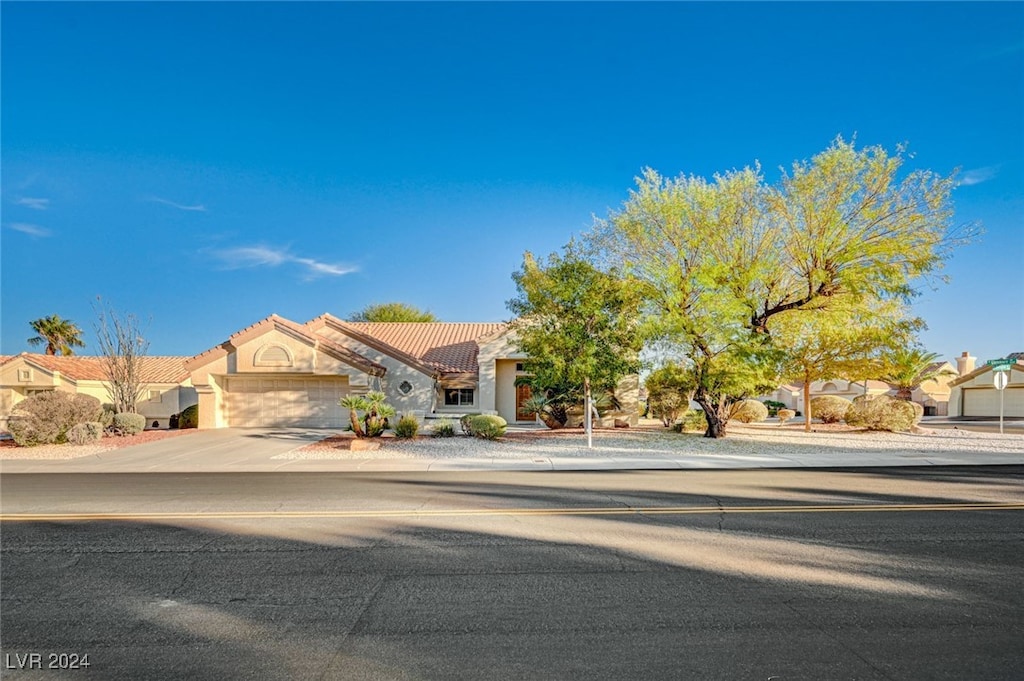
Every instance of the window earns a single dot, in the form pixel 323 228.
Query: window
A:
pixel 458 397
pixel 520 366
pixel 273 356
pixel 405 387
pixel 155 396
pixel 25 375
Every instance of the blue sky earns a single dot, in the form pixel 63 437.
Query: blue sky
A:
pixel 207 164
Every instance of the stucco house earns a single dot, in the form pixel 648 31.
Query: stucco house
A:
pixel 278 372
pixel 792 394
pixel 167 382
pixel 974 395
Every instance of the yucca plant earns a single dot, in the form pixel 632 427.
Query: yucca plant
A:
pixel 375 413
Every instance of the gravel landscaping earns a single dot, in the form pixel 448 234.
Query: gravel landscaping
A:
pixel 10 450
pixel 742 440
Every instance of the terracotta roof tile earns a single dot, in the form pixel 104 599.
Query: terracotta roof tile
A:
pixel 155 369
pixel 449 347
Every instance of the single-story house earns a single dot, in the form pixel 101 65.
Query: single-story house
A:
pixel 974 394
pixel 792 394
pixel 278 372
pixel 168 386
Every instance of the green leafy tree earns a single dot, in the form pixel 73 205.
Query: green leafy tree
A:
pixel 719 260
pixel 392 312
pixel 59 335
pixel 907 368
pixel 841 340
pixel 577 324
pixel 669 391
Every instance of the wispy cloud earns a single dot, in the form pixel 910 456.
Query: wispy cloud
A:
pixel 267 256
pixel 978 175
pixel 198 207
pixel 34 203
pixel 30 229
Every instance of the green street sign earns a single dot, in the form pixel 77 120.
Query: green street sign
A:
pixel 1000 364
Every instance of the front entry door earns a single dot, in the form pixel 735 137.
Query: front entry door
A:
pixel 522 395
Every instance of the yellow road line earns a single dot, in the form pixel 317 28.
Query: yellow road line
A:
pixel 425 513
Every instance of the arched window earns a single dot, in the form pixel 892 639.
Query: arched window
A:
pixel 829 388
pixel 273 356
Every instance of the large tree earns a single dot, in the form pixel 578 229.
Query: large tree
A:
pixel 577 324
pixel 719 259
pixel 841 340
pixel 391 312
pixel 122 345
pixel 59 335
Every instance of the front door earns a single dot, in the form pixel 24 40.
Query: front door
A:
pixel 522 395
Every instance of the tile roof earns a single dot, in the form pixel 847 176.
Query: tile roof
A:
pixel 449 347
pixel 154 369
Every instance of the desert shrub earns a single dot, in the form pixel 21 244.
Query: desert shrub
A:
pixel 774 406
pixel 444 428
pixel 918 412
pixel 748 411
pixel 465 425
pixel 407 427
pixel 85 433
pixel 785 415
pixel 669 390
pixel 881 412
pixel 487 426
pixel 107 414
pixel 128 423
pixel 189 418
pixel 45 418
pixel 829 408
pixel 692 420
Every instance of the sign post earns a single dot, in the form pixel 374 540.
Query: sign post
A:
pixel 1000 379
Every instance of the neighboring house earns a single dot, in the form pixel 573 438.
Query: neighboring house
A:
pixel 973 394
pixel 792 394
pixel 933 394
pixel 167 382
pixel 281 373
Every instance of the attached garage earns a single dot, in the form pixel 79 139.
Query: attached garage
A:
pixel 984 402
pixel 277 401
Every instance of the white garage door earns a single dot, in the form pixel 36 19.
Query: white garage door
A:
pixel 310 402
pixel 985 402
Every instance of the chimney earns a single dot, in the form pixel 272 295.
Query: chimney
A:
pixel 965 363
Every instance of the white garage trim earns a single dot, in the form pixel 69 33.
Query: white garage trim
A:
pixel 285 401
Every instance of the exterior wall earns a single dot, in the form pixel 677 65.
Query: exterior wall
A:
pixel 420 400
pixel 980 388
pixel 491 351
pixel 505 389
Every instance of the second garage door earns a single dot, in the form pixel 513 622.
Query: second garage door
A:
pixel 308 402
pixel 985 402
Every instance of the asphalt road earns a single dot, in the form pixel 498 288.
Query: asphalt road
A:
pixel 776 574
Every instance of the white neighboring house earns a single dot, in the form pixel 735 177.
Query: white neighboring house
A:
pixel 974 395
pixel 168 387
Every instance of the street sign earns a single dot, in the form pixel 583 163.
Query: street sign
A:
pixel 1000 364
pixel 1001 378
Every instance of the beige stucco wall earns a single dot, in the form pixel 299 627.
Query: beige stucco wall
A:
pixel 505 388
pixel 492 350
pixel 421 399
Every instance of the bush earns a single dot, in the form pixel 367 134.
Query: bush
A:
pixel 693 420
pixel 189 418
pixel 881 412
pixel 829 408
pixel 487 426
pixel 45 418
pixel 407 427
pixel 107 414
pixel 749 411
pixel 464 423
pixel 85 433
pixel 444 428
pixel 128 423
pixel 785 415
pixel 774 407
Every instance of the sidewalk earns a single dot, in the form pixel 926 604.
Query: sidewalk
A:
pixel 756 446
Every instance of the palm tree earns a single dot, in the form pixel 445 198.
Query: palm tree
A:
pixel 906 369
pixel 60 335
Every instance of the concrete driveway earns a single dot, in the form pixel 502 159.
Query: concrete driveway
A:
pixel 221 449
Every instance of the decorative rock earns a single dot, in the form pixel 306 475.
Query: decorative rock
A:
pixel 364 445
pixel 620 423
